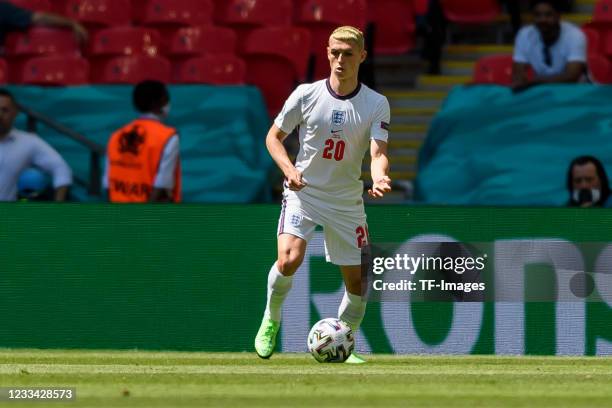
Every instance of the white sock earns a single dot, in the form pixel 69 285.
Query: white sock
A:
pixel 279 286
pixel 351 310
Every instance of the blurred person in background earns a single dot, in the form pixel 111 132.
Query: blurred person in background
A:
pixel 13 18
pixel 587 183
pixel 555 49
pixel 21 150
pixel 143 163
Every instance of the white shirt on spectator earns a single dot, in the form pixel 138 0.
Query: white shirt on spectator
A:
pixel 570 47
pixel 20 150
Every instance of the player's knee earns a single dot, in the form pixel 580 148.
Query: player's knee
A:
pixel 289 261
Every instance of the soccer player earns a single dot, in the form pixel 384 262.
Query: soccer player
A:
pixel 338 119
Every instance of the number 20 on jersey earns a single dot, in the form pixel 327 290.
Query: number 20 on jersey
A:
pixel 334 149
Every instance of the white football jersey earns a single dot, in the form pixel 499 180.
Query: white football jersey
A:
pixel 335 133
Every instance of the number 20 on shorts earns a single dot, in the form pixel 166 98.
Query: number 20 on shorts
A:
pixel 334 149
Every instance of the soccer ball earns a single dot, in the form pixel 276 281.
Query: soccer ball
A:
pixel 331 341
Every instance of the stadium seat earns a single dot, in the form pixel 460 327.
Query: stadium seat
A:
pixel 131 70
pixel 494 69
pixel 600 69
pixel 202 40
pixel 248 14
pixel 607 46
pixel 420 7
pixel 602 12
pixel 471 11
pixel 394 25
pixel 163 13
pixel 51 70
pixel 276 58
pixel 593 40
pixel 334 12
pixel 125 41
pixel 99 13
pixel 497 70
pixel 40 41
pixel 3 71
pixel 321 17
pixel 33 5
pixel 210 69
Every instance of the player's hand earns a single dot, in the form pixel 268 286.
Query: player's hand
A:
pixel 380 187
pixel 294 180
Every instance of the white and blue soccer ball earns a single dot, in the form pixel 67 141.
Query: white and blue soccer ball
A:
pixel 331 341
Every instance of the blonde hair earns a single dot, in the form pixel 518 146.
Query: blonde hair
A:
pixel 349 33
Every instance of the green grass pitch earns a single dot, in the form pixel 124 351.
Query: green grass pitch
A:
pixel 176 379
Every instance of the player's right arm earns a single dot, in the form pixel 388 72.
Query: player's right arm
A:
pixel 274 143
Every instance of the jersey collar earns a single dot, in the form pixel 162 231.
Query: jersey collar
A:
pixel 341 97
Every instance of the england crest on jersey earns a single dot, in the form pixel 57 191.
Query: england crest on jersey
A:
pixel 338 117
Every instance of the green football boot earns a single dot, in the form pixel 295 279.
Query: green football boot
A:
pixel 265 341
pixel 355 358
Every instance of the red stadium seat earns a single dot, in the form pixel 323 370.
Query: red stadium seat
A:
pixel 602 12
pixel 289 43
pixel 394 25
pixel 276 59
pixel 593 40
pixel 471 11
pixel 99 13
pixel 3 71
pixel 495 69
pixel 131 70
pixel 33 5
pixel 40 41
pixel 607 47
pixel 210 69
pixel 172 12
pixel 600 69
pixel 202 40
pixel 420 7
pixel 321 17
pixel 253 13
pixel 51 70
pixel 126 41
pixel 334 13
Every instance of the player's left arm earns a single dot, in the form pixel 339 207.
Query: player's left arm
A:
pixel 379 168
pixel 379 135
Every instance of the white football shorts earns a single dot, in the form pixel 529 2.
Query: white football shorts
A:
pixel 345 231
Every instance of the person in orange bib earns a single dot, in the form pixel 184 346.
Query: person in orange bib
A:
pixel 142 162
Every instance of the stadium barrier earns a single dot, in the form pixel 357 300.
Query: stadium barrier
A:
pixel 488 146
pixel 193 277
pixel 222 131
